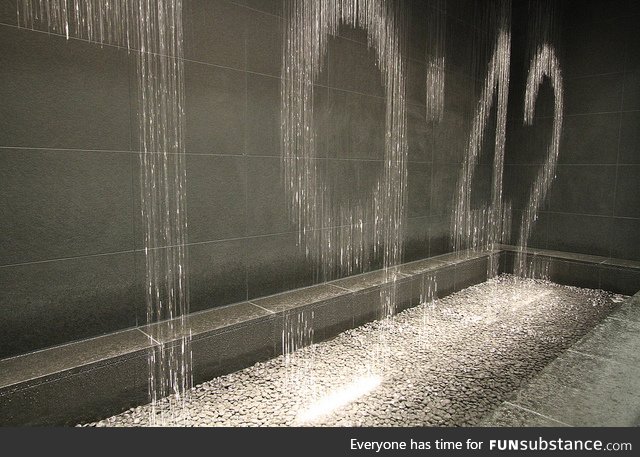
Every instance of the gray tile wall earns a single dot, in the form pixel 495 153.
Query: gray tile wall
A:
pixel 594 204
pixel 68 267
pixel 71 264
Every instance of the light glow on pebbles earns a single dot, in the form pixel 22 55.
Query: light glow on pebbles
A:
pixel 339 398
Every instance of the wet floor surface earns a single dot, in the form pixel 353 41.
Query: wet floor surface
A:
pixel 486 355
pixel 594 383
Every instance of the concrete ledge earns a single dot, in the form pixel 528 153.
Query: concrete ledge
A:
pixel 581 270
pixel 96 378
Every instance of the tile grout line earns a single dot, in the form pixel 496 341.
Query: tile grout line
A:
pixel 615 182
pixel 149 336
pixel 54 149
pixel 262 308
pixel 249 8
pixel 339 287
pixel 574 77
pixel 245 164
pixel 209 64
pixel 591 113
pixel 134 251
pixel 60 35
pixel 61 259
pixel 70 343
pixel 584 214
pixel 515 405
pixel 564 164
pixel 432 183
pixel 135 166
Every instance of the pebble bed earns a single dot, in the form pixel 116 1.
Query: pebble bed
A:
pixel 444 363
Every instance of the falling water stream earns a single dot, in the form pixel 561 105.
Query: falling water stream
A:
pixel 101 21
pixel 335 237
pixel 436 62
pixel 376 222
pixel 483 228
pixel 543 64
pixel 160 67
pixel 152 31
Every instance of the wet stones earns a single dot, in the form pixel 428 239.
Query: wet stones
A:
pixel 448 363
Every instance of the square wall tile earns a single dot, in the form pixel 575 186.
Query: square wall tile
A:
pixel 9 12
pixel 356 126
pixel 445 179
pixel 589 139
pixel 581 234
pixel 416 239
pixel 595 47
pixel 624 239
pixel 419 135
pixel 419 189
pixel 585 189
pixel 517 183
pixel 217 274
pixel 215 113
pixel 630 138
pixel 215 32
pixel 266 6
pixel 264 43
pixel 216 197
pixel 59 204
pixel 627 202
pixel 593 94
pixel 439 235
pixel 631 100
pixel 276 263
pixel 59 93
pixel 81 298
pixel 263 115
pixel 353 67
pixel 267 203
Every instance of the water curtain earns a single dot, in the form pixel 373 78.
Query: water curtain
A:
pixel 152 31
pixel 339 238
pixel 482 229
pixel 543 65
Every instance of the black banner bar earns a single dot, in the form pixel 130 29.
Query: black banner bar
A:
pixel 325 441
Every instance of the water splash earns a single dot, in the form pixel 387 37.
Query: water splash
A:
pixel 544 64
pixel 298 332
pixel 531 265
pixel 428 299
pixel 152 30
pixel 482 229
